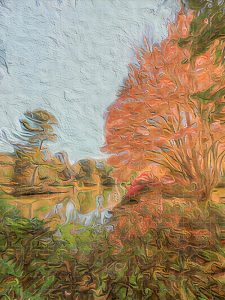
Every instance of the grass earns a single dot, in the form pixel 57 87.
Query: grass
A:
pixel 175 254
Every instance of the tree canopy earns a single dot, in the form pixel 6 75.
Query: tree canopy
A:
pixel 170 111
pixel 207 26
pixel 37 126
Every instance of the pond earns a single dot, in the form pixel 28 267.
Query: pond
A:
pixel 63 208
pixel 76 206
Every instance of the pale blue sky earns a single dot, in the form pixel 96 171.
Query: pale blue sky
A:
pixel 70 57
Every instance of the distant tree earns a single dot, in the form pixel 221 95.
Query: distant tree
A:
pixel 85 169
pixel 104 171
pixel 67 173
pixel 170 112
pixel 92 172
pixel 37 127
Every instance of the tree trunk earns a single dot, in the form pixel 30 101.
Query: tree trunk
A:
pixel 34 176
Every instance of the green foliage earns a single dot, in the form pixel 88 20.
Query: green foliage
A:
pixel 207 97
pixel 27 251
pixel 184 262
pixel 207 26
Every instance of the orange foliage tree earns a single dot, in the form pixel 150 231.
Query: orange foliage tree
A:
pixel 170 111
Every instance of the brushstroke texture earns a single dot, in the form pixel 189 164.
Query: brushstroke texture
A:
pixel 70 58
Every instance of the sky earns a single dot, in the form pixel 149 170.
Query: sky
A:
pixel 71 57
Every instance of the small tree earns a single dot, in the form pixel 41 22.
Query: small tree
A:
pixel 37 127
pixel 170 111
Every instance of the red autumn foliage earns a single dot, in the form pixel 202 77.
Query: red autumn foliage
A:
pixel 143 181
pixel 147 181
pixel 170 112
pixel 137 219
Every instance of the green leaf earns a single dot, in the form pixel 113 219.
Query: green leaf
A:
pixel 205 96
pixel 48 282
pixel 184 61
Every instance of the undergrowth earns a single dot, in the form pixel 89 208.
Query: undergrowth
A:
pixel 183 259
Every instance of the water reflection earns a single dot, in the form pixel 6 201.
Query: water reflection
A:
pixel 98 216
pixel 84 207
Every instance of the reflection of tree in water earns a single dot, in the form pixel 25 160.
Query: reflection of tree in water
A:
pixel 87 201
pixel 81 197
pixel 69 213
pixel 52 208
pixel 84 207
